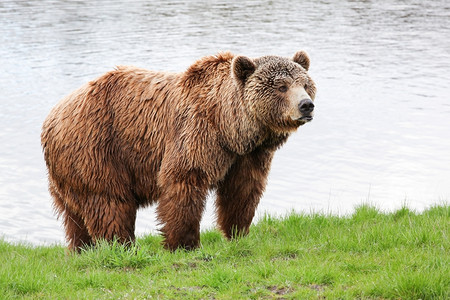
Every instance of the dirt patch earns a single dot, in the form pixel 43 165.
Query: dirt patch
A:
pixel 317 287
pixel 280 291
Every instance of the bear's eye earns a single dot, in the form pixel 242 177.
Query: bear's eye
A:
pixel 305 86
pixel 283 89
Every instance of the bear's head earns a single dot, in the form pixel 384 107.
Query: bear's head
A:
pixel 277 91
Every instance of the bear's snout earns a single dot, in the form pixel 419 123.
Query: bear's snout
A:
pixel 306 107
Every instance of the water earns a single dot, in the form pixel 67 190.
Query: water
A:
pixel 382 127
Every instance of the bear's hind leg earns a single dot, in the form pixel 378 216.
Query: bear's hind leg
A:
pixel 76 232
pixel 109 218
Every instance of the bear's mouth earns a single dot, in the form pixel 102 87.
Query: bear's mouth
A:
pixel 306 118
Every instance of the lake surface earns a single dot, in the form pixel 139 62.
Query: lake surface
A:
pixel 382 128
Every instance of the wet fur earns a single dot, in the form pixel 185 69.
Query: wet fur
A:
pixel 135 137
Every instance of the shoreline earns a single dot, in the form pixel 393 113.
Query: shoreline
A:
pixel 369 254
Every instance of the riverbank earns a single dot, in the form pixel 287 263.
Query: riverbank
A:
pixel 370 254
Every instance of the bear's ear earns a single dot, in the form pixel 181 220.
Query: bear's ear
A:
pixel 302 58
pixel 242 67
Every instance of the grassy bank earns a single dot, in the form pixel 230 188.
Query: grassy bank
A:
pixel 400 255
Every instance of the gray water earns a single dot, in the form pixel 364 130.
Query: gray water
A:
pixel 382 128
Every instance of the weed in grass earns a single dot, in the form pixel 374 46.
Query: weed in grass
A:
pixel 264 269
pixel 116 255
pixel 221 279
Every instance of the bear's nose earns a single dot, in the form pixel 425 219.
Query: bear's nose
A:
pixel 306 106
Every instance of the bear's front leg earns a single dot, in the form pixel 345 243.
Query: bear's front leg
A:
pixel 238 194
pixel 180 208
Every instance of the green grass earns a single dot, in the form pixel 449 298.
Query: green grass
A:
pixel 369 255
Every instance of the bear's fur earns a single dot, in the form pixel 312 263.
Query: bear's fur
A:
pixel 135 137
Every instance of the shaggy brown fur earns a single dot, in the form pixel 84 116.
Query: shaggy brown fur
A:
pixel 134 137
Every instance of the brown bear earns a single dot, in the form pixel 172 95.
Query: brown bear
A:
pixel 135 137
